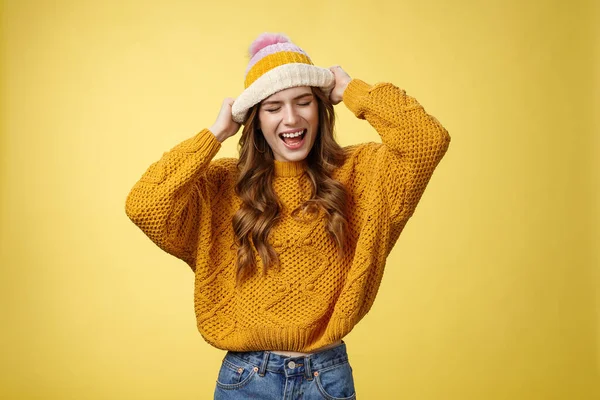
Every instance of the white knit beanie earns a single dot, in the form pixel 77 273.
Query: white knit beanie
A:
pixel 277 64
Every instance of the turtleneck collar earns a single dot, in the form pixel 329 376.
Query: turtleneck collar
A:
pixel 289 168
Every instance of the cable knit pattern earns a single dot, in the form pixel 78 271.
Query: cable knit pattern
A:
pixel 185 202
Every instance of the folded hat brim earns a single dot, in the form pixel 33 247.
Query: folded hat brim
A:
pixel 277 79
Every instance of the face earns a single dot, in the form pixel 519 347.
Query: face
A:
pixel 289 121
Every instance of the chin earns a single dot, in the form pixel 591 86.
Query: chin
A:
pixel 295 157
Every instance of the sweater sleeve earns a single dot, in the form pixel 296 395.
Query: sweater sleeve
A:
pixel 414 142
pixel 167 201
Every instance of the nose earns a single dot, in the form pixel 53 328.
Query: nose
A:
pixel 291 115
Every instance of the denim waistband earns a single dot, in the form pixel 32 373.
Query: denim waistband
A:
pixel 308 365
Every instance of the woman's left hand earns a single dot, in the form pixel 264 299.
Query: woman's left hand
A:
pixel 341 82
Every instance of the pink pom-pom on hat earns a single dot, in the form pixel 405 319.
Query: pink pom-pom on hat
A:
pixel 277 64
pixel 267 39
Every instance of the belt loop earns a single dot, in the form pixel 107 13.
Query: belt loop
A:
pixel 263 364
pixel 307 371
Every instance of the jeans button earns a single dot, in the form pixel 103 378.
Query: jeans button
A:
pixel 291 365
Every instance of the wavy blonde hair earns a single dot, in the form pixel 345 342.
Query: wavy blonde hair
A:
pixel 260 208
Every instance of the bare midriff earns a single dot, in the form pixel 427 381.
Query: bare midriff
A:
pixel 297 354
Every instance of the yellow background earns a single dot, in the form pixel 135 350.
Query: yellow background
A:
pixel 492 291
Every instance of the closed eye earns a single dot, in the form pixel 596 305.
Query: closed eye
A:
pixel 274 110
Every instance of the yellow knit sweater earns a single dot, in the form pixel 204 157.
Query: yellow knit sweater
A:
pixel 185 202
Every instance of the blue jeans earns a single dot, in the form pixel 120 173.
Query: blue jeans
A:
pixel 268 376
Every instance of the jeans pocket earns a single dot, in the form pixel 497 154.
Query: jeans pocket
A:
pixel 235 375
pixel 336 383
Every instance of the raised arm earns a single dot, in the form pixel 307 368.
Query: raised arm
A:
pixel 414 142
pixel 172 198
pixel 167 201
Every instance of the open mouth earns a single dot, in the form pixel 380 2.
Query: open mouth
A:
pixel 293 140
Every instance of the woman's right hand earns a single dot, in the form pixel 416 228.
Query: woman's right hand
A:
pixel 225 127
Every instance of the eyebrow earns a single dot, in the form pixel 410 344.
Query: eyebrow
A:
pixel 279 102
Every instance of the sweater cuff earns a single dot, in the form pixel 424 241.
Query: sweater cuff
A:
pixel 354 96
pixel 204 143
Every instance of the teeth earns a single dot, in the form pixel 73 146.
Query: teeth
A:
pixel 293 134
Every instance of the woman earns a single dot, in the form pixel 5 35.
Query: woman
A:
pixel 288 243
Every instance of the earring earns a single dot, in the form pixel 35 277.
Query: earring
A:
pixel 254 142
